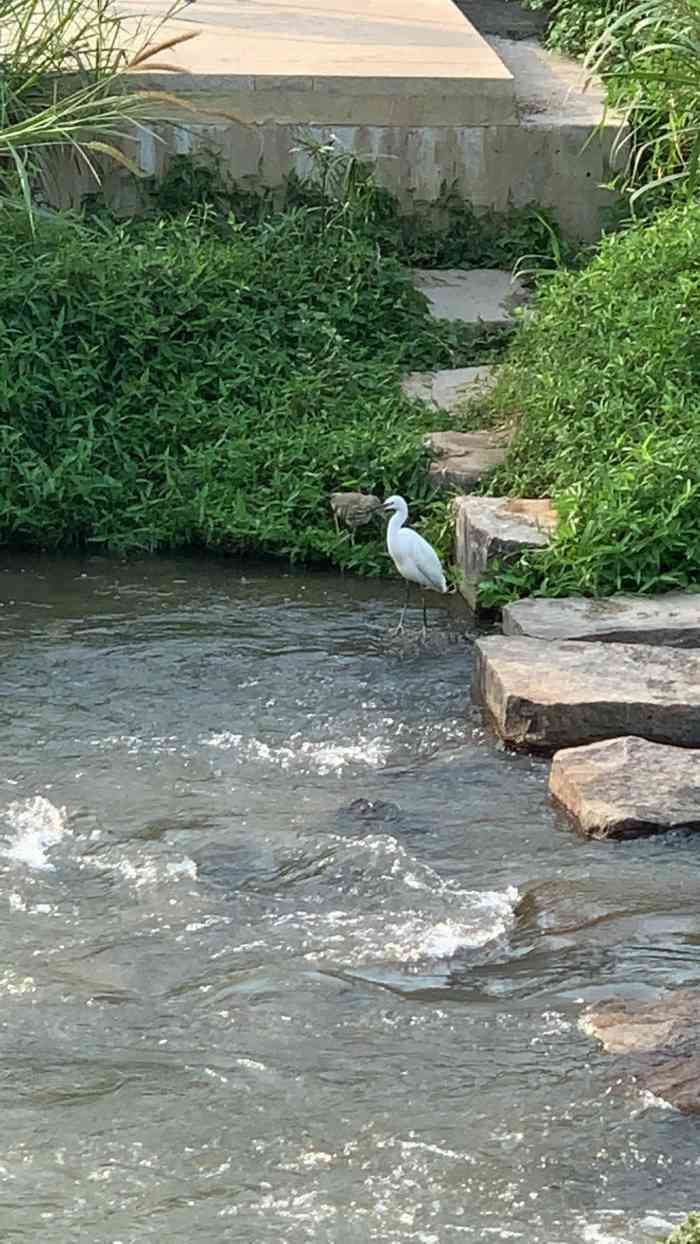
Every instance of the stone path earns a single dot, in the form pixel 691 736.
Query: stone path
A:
pixel 463 458
pixel 446 389
pixel 496 527
pixel 628 787
pixel 472 296
pixel 542 696
pixel 672 619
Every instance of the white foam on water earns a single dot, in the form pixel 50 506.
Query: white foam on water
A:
pixel 35 825
pixel 320 757
pixel 149 873
pixel 11 983
pixel 383 921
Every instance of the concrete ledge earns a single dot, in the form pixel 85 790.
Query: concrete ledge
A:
pixel 361 62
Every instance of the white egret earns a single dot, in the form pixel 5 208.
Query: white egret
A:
pixel 415 559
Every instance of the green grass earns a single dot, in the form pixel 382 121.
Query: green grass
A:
pixel 191 381
pixel 604 385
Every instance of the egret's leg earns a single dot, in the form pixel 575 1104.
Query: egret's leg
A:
pixel 405 607
pixel 425 616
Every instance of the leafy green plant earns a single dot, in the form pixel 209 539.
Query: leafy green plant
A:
pixel 62 83
pixel 687 1232
pixel 649 56
pixel 602 385
pixel 171 381
pixel 449 233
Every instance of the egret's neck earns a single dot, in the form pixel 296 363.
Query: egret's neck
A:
pixel 397 520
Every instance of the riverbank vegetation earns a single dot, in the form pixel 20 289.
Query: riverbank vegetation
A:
pixel 201 379
pixel 601 384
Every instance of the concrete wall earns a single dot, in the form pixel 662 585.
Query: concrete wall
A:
pixel 490 166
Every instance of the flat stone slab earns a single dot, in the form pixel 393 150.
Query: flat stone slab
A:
pixel 672 619
pixel 472 296
pixel 628 787
pixel 496 527
pixel 446 389
pixel 542 695
pixel 464 457
pixel 377 62
pixel 659 1041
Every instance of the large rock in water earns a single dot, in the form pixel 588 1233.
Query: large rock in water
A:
pixel 624 788
pixel 542 696
pixel 487 528
pixel 661 1040
pixel 672 619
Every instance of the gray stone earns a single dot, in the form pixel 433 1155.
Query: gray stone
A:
pixel 672 619
pixel 464 457
pixel 542 695
pixel 472 296
pixel 446 389
pixel 628 787
pixel 628 1026
pixel 496 527
pixel 354 508
pixel 659 1040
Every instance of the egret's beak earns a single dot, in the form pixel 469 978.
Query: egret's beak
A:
pixel 387 508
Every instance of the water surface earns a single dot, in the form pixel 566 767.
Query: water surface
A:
pixel 235 1007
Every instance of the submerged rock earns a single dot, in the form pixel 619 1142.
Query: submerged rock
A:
pixel 671 619
pixel 624 1026
pixel 544 696
pixel 370 810
pixel 661 1039
pixel 628 787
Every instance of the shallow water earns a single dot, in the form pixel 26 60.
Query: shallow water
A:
pixel 234 1011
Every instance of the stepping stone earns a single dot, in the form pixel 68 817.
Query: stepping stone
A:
pixel 496 527
pixel 463 457
pixel 658 1039
pixel 542 695
pixel 471 295
pixel 673 619
pixel 446 389
pixel 628 787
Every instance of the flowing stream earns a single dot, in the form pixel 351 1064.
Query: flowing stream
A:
pixel 290 949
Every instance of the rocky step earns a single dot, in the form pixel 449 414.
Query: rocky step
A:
pixel 672 619
pixel 628 787
pixel 658 1039
pixel 463 458
pixel 487 296
pixel 448 388
pixel 542 695
pixel 487 528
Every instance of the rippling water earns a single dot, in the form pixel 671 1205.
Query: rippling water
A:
pixel 289 948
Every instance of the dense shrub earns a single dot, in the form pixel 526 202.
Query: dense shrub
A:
pixel 577 24
pixel 648 53
pixel 604 384
pixel 170 382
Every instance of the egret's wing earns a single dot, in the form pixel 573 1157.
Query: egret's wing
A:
pixel 428 563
